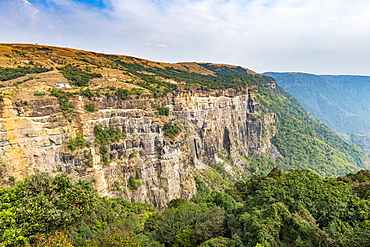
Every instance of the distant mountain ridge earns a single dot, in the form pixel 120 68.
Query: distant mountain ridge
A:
pixel 340 101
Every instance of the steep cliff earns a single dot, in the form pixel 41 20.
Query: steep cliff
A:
pixel 215 125
pixel 142 130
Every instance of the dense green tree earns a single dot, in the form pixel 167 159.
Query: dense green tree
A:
pixel 276 225
pixel 297 208
pixel 42 204
pixel 204 221
pixel 325 199
pixel 221 200
pixel 59 239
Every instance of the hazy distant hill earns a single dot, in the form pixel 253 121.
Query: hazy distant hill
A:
pixel 342 102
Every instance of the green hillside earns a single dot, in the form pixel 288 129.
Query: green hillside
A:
pixel 304 141
pixel 340 102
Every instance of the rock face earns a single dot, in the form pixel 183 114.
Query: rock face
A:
pixel 216 126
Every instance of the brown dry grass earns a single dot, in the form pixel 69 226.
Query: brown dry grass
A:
pixel 13 55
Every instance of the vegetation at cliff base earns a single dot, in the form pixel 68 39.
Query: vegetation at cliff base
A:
pixel 42 204
pixel 298 208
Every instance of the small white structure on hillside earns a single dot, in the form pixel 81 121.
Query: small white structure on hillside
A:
pixel 63 85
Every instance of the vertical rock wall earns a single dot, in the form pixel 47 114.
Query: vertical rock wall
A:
pixel 215 125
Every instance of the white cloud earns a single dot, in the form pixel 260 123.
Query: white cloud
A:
pixel 321 36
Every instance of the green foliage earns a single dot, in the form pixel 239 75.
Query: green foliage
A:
pixel 55 240
pixel 275 225
pixel 162 110
pixel 78 142
pixel 110 91
pixel 225 77
pixel 42 204
pixel 202 188
pixel 90 107
pixel 304 141
pixel 133 183
pixel 221 200
pixel 133 154
pixel 185 239
pixel 298 208
pixel 13 73
pixel 171 130
pixel 104 137
pixel 39 94
pixel 340 102
pixel 107 136
pixel 63 98
pixel 113 236
pixel 360 183
pixel 87 93
pixel 122 93
pixel 216 242
pixel 113 217
pixel 169 225
pixel 76 76
pixel 175 203
pixel 325 200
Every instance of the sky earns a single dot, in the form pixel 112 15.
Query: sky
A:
pixel 312 36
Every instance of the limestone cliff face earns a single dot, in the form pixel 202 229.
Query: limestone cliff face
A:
pixel 216 126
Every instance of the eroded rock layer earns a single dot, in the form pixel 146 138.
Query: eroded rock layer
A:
pixel 215 126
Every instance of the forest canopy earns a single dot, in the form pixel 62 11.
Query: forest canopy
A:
pixel 298 208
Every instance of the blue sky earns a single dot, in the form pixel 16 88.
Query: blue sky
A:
pixel 315 36
pixel 97 3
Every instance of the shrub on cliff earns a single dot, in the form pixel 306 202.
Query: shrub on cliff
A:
pixel 63 98
pixel 78 142
pixel 162 110
pixel 103 137
pixel 171 129
pixel 106 136
pixel 133 183
pixel 90 107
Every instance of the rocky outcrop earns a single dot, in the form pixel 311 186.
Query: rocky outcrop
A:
pixel 145 166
